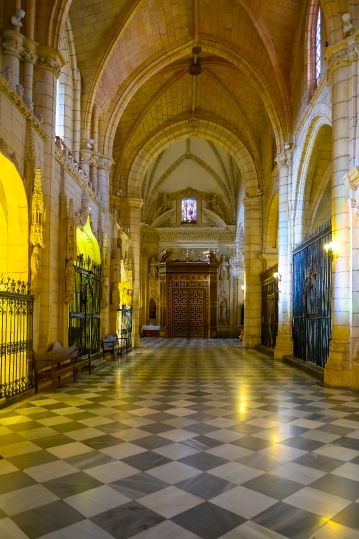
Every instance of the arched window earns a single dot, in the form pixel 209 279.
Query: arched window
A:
pixel 318 47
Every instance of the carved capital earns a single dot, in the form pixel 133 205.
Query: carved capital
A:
pixel 12 43
pixel 284 159
pixel 133 203
pixel 104 163
pixel 50 59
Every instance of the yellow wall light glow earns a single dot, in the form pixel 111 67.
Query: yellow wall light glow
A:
pixel 87 244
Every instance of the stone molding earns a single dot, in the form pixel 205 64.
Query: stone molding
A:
pixel 133 203
pixel 100 161
pixel 163 218
pixel 50 59
pixel 63 160
pixel 6 151
pixel 17 101
pixel 191 234
pixel 213 218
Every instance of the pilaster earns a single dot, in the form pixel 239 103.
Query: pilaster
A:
pixel 284 342
pixel 338 370
pixel 131 217
pixel 253 268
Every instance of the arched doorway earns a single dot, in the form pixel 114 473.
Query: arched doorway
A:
pixel 16 305
pixel 84 316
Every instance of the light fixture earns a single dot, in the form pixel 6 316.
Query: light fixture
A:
pixel 243 287
pixel 331 250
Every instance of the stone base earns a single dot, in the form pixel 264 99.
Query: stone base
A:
pixel 338 372
pixel 251 341
pixel 284 346
pixel 356 375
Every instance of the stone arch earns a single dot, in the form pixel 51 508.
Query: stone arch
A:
pixel 206 130
pixel 275 108
pixel 14 223
pixel 315 124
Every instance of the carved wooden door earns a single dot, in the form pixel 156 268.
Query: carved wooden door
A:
pixel 188 313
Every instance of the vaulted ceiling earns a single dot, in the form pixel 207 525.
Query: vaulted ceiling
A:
pixel 134 57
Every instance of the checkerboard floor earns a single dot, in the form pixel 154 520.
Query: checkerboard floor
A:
pixel 183 440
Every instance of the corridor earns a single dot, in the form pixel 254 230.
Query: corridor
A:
pixel 183 440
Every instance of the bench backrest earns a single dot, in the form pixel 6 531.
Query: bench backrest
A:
pixel 110 339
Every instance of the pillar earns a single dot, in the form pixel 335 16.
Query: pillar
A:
pixel 131 217
pixel 11 49
pixel 29 55
pixel 284 343
pixel 103 179
pixel 338 370
pixel 253 267
pixel 47 70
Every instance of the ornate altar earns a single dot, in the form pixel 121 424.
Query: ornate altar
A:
pixel 188 297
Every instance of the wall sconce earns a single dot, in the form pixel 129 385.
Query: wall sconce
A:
pixel 330 250
pixel 278 279
pixel 243 287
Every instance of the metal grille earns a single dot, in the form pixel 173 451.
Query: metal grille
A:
pixel 269 314
pixel 125 325
pixel 16 337
pixel 312 280
pixel 84 326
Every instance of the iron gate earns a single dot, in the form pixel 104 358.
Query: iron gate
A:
pixel 269 307
pixel 16 337
pixel 125 325
pixel 312 281
pixel 84 323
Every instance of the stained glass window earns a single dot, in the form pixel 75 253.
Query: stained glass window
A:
pixel 318 47
pixel 189 210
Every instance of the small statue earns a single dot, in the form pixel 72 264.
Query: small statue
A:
pixel 35 266
pixel 153 269
pixel 165 203
pixel 224 270
pixel 223 309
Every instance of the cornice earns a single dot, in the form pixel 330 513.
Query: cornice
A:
pixel 219 234
pixel 61 158
pixel 18 102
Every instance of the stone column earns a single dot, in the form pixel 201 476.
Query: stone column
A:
pixel 103 179
pixel 144 287
pixel 11 49
pixel 85 162
pixel 47 70
pixel 338 370
pixel 29 55
pixel 284 344
pixel 131 216
pixel 253 267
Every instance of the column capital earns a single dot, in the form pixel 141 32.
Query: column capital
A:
pixel 12 43
pixel 87 157
pixel 103 161
pixel 253 202
pixel 285 158
pixel 50 59
pixel 343 53
pixel 132 203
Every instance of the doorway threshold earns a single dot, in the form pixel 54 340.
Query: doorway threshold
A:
pixel 310 368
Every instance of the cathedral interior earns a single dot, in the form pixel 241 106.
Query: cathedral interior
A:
pixel 179 204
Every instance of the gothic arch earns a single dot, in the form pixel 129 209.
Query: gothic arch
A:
pixel 174 133
pixel 312 134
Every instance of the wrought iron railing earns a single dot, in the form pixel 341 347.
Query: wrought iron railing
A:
pixel 16 337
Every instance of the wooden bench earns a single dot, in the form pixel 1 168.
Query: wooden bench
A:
pixel 57 362
pixel 111 345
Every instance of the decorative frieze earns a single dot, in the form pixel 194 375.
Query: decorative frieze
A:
pixel 17 101
pixel 71 166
